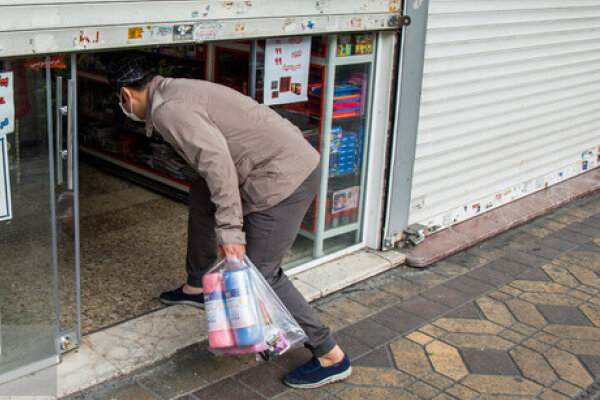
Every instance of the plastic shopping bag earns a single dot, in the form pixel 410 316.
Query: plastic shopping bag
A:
pixel 243 313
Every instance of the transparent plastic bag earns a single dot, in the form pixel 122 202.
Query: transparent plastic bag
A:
pixel 243 313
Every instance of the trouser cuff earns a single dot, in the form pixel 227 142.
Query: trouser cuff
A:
pixel 323 348
pixel 194 281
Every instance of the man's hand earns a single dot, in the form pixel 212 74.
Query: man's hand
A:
pixel 232 250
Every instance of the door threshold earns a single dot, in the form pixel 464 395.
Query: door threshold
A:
pixel 134 344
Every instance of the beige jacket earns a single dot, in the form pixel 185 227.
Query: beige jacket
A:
pixel 250 157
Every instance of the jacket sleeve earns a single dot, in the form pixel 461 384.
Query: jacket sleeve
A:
pixel 205 147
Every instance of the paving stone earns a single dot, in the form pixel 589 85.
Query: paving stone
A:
pixel 546 338
pixel 379 358
pixel 424 307
pixel 423 390
pixel 568 368
pixel 446 296
pixel 467 259
pixel 369 333
pixel 369 376
pixel 536 231
pixel 585 276
pixel 376 299
pixel 293 358
pixel 500 296
pixel 526 312
pixel 508 266
pixel 552 395
pixel 512 291
pixel 443 396
pixel 432 331
pixel 265 379
pixel 220 366
pixel 468 311
pixel 352 347
pixel 533 365
pixel 592 312
pixel 527 259
pixel 565 218
pixel 560 275
pixel 467 285
pixel 410 358
pixel 128 392
pixel 495 311
pixel 397 319
pixel 361 393
pixel 522 328
pixel 461 392
pixel 551 224
pixel 446 360
pixel 579 295
pixel 419 338
pixel 557 242
pixel 592 363
pixel 448 269
pixel 580 231
pixel 301 394
pixel 491 276
pixel 335 324
pixel 555 299
pixel 229 389
pixel 538 287
pixel 536 345
pixel 173 378
pixel 403 288
pixel 513 336
pixel 437 380
pixel 423 277
pixel 589 290
pixel 501 385
pixel 535 274
pixel 580 347
pixel 467 325
pixel 467 340
pixel 561 315
pixel 491 362
pixel 545 252
pixel 574 332
pixel 348 311
pixel 567 389
pixel 592 221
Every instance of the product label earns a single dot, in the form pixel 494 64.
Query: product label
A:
pixel 216 314
pixel 242 313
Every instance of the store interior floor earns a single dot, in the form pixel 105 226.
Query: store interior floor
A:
pixel 133 247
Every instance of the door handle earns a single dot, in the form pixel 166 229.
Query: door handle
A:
pixel 70 131
pixel 61 111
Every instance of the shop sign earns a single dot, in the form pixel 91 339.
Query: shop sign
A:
pixel 7 104
pixel 183 32
pixel 345 199
pixel 287 62
pixel 47 62
pixel 209 30
pixel 5 208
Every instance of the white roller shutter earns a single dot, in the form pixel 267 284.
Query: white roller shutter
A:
pixel 510 103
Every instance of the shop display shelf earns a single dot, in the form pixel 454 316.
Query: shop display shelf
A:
pixel 138 169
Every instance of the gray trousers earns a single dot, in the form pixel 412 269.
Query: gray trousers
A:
pixel 269 235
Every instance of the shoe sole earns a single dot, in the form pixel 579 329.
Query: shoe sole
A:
pixel 331 379
pixel 187 302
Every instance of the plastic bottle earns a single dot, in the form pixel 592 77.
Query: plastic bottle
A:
pixel 242 308
pixel 220 334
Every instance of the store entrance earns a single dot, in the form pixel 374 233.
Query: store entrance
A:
pixel 133 189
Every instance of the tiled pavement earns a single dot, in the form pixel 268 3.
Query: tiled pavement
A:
pixel 517 316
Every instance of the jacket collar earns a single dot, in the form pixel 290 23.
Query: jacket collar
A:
pixel 153 100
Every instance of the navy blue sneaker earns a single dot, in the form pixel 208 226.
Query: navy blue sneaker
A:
pixel 313 375
pixel 178 297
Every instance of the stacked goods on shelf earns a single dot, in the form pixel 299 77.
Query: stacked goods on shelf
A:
pixel 349 99
pixel 349 45
pixel 165 159
pixel 344 151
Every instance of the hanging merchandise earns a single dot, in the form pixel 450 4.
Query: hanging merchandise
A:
pixel 7 104
pixel 244 315
pixel 287 63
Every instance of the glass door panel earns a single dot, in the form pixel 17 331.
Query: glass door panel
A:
pixel 28 313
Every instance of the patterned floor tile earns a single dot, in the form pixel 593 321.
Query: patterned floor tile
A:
pixel 423 390
pixel 568 368
pixel 360 393
pixel 410 358
pixel 381 377
pixel 561 315
pixel 468 326
pixel 446 360
pixel 495 311
pixel 533 365
pixel 508 385
pixel 466 340
pixel 490 362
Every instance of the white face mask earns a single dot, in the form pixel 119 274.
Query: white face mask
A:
pixel 130 114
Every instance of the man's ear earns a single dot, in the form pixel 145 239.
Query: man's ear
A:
pixel 128 94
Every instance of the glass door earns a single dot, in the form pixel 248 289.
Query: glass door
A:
pixel 38 229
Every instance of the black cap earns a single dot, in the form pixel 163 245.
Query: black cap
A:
pixel 126 71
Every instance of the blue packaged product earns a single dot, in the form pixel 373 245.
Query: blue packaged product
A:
pixel 242 307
